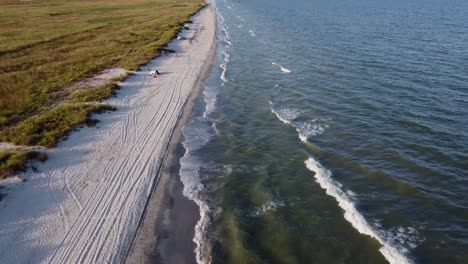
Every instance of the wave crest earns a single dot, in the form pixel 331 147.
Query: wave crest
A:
pixel 393 252
pixel 283 69
pixel 305 129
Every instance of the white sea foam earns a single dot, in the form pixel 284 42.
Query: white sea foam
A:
pixel 223 73
pixel 394 242
pixel 224 66
pixel 286 115
pixel 402 238
pixel 209 95
pixel 221 21
pixel 269 206
pixel 196 134
pixel 392 251
pixel 215 128
pixel 227 57
pixel 194 189
pixel 305 129
pixel 283 69
pixel 229 43
pixel 226 38
pixel 189 175
pixel 309 129
pixel 219 15
pixel 252 33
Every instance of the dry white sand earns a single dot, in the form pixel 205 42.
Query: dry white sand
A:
pixel 84 204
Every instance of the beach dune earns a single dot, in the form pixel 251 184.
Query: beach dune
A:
pixel 84 205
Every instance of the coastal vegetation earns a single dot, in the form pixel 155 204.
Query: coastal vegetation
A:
pixel 47 49
pixel 95 94
pixel 45 129
pixel 14 161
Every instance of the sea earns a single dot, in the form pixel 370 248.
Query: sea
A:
pixel 332 131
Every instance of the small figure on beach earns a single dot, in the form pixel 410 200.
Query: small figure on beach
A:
pixel 154 73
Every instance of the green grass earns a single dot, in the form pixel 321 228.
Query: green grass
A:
pixel 12 162
pixel 47 128
pixel 95 94
pixel 48 45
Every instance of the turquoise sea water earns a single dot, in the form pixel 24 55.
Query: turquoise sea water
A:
pixel 333 132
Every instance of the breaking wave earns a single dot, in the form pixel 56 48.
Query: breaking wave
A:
pixel 392 248
pixel 305 129
pixel 226 38
pixel 283 69
pixel 395 243
pixel 197 133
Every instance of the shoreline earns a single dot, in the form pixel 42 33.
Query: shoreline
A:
pixel 85 203
pixel 167 228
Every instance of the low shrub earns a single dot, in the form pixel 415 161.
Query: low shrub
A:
pixel 47 128
pixel 95 94
pixel 12 162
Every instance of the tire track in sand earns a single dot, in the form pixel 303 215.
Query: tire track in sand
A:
pixel 129 160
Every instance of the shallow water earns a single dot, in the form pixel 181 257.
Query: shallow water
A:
pixel 333 132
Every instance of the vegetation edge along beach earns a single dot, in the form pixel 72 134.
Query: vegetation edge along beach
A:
pixel 50 48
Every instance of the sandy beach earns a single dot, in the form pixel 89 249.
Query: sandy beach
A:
pixel 86 203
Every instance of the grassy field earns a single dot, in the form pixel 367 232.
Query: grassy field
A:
pixel 47 46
